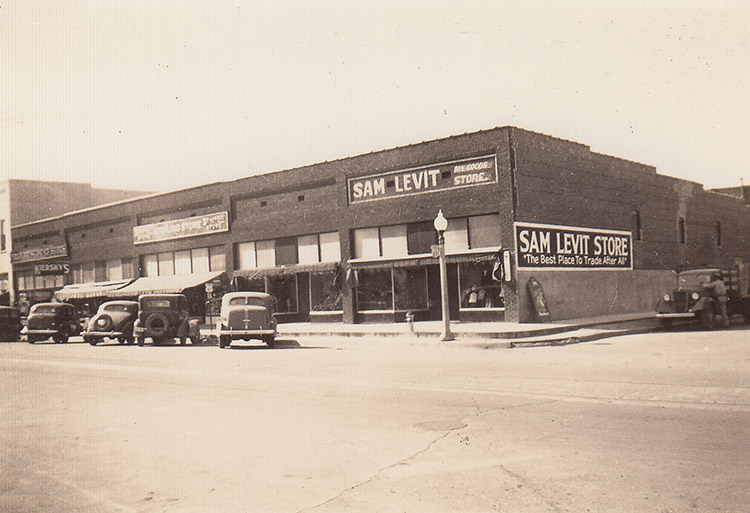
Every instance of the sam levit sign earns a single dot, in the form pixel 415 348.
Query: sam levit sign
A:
pixel 179 228
pixel 553 247
pixel 419 180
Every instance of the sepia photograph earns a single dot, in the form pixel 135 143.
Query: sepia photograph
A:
pixel 408 257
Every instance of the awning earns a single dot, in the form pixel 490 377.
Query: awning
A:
pixel 165 284
pixel 287 269
pixel 90 290
pixel 422 260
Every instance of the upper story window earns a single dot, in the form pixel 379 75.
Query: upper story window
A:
pixel 190 261
pixel 304 249
pixel 395 241
pixel 681 230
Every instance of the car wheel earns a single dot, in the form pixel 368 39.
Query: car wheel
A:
pixel 708 318
pixel 196 341
pixel 91 340
pixel 270 340
pixel 666 324
pixel 157 325
pixel 183 341
pixel 224 341
pixel 140 340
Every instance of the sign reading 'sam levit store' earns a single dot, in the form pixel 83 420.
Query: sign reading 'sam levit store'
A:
pixel 423 179
pixel 553 247
pixel 179 228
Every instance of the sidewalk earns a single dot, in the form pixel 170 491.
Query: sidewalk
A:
pixel 484 334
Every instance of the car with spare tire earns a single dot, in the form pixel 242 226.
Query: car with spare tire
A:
pixel 113 320
pixel 164 318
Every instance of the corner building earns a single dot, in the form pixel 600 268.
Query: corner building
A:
pixel 351 240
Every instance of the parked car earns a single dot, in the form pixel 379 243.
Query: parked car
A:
pixel 10 324
pixel 245 316
pixel 164 317
pixel 56 320
pixel 114 320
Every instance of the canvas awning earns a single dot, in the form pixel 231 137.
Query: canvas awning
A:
pixel 165 284
pixel 90 290
pixel 422 260
pixel 287 269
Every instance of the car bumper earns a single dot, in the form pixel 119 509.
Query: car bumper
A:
pixel 40 332
pixel 108 334
pixel 245 333
pixel 676 315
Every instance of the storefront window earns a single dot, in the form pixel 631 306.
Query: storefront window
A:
pixel 325 292
pixel 283 288
pixel 477 288
pixel 375 291
pixel 410 288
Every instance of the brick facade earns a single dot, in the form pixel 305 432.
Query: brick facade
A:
pixel 540 179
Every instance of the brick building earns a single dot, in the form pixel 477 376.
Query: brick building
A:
pixel 24 201
pixel 350 240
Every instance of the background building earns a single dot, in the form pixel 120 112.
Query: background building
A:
pixel 351 240
pixel 23 201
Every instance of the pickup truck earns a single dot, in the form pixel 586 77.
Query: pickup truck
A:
pixel 691 300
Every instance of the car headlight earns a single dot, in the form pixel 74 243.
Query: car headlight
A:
pixel 695 296
pixel 667 298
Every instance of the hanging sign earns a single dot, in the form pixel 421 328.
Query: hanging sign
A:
pixel 423 179
pixel 41 253
pixel 553 247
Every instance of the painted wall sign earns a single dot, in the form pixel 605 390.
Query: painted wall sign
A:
pixel 43 253
pixel 545 246
pixel 52 268
pixel 179 228
pixel 419 180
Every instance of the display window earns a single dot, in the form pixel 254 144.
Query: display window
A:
pixel 477 288
pixel 325 292
pixel 283 288
pixel 410 288
pixel 375 290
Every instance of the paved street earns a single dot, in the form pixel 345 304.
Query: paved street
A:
pixel 656 422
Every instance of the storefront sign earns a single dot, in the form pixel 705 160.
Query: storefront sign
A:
pixel 179 228
pixel 419 180
pixel 543 246
pixel 43 253
pixel 52 268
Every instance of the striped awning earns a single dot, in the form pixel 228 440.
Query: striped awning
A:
pixel 90 290
pixel 251 274
pixel 422 260
pixel 165 284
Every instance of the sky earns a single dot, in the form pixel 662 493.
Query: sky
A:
pixel 163 95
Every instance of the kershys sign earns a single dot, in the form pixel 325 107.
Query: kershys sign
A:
pixel 546 246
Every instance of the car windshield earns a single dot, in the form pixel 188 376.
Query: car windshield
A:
pixel 118 308
pixel 44 309
pixel 693 281
pixel 156 303
pixel 246 300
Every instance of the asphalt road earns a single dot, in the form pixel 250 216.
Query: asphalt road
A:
pixel 642 423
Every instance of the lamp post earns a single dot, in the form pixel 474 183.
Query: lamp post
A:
pixel 441 224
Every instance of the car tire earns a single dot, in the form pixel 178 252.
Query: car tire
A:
pixel 270 340
pixel 666 324
pixel 224 341
pixel 157 325
pixel 196 341
pixel 140 340
pixel 91 340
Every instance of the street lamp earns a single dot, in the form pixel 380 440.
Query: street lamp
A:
pixel 441 224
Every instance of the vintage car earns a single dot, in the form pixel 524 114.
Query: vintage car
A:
pixel 113 320
pixel 691 300
pixel 164 317
pixel 10 324
pixel 245 316
pixel 56 320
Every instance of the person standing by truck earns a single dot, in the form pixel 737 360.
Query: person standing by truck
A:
pixel 716 284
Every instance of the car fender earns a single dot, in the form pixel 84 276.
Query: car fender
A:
pixel 702 304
